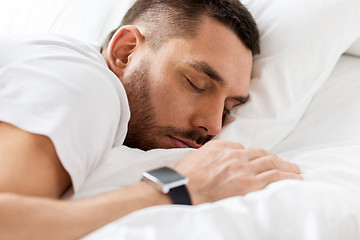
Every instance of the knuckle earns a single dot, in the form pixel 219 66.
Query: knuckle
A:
pixel 273 161
pixel 231 154
pixel 240 166
pixel 216 143
pixel 241 146
pixel 275 174
pixel 261 151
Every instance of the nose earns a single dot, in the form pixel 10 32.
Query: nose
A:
pixel 209 119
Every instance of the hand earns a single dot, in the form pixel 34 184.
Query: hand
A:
pixel 224 169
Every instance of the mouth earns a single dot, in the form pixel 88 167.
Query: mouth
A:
pixel 183 143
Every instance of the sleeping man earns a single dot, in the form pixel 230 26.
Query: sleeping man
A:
pixel 177 66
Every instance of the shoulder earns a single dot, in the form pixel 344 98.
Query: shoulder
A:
pixel 62 88
pixel 60 63
pixel 49 48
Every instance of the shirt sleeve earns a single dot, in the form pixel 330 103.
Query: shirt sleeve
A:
pixel 64 91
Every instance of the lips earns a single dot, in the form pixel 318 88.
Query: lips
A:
pixel 183 143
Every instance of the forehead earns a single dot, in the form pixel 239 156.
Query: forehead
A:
pixel 220 48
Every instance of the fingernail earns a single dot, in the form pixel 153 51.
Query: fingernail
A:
pixel 297 168
pixel 300 177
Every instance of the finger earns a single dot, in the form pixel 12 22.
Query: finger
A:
pixel 265 178
pixel 225 144
pixel 254 153
pixel 270 162
pixel 234 145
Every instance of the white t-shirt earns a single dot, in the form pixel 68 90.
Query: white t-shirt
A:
pixel 62 88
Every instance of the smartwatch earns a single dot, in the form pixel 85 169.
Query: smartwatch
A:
pixel 168 181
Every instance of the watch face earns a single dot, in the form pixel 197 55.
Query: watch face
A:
pixel 170 182
pixel 166 175
pixel 165 179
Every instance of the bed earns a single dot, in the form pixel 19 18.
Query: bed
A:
pixel 304 106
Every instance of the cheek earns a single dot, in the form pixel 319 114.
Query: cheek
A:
pixel 171 101
pixel 171 104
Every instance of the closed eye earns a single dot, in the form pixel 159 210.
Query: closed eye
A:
pixel 199 90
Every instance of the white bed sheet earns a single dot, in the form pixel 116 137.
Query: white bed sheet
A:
pixel 326 144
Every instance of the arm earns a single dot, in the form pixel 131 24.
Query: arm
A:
pixel 31 180
pixel 216 171
pixel 29 164
pixel 25 217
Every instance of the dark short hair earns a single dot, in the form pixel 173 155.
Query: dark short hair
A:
pixel 165 19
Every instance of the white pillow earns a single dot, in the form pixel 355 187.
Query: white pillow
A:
pixel 86 20
pixel 354 49
pixel 301 42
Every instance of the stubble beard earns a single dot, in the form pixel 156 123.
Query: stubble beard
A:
pixel 143 131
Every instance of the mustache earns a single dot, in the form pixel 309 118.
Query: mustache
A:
pixel 191 135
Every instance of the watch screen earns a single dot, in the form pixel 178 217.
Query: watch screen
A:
pixel 166 175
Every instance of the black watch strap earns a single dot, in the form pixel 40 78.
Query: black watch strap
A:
pixel 180 195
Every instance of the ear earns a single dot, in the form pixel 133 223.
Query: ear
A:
pixel 121 47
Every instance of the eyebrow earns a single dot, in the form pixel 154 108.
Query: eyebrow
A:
pixel 203 67
pixel 208 70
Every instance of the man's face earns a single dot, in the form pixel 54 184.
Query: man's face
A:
pixel 180 93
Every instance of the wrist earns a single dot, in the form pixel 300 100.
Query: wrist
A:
pixel 157 197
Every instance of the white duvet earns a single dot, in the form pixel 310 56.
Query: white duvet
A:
pixel 326 144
